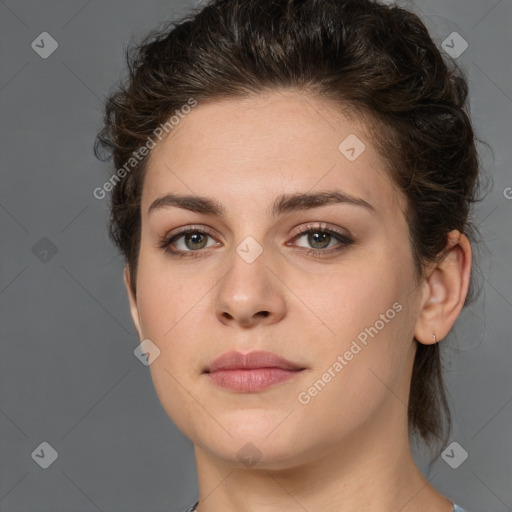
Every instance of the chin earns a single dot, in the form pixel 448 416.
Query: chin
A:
pixel 257 454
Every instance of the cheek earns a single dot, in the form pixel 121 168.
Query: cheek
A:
pixel 171 312
pixel 369 336
pixel 357 375
pixel 349 302
pixel 165 297
pixel 168 308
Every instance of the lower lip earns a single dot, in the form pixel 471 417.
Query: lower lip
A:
pixel 247 381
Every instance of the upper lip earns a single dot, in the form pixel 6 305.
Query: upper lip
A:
pixel 251 360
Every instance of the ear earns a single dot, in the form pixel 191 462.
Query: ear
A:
pixel 445 290
pixel 134 310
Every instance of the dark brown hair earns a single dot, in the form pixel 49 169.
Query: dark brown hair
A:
pixel 377 60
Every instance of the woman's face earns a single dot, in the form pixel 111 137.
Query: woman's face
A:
pixel 340 304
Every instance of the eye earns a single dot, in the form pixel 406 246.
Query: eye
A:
pixel 321 240
pixel 186 242
pixel 191 241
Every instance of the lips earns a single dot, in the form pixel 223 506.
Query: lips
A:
pixel 250 373
pixel 250 361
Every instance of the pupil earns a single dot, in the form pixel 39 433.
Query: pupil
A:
pixel 323 236
pixel 195 238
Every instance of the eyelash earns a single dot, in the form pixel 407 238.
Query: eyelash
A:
pixel 345 241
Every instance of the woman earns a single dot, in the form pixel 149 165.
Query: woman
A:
pixel 291 196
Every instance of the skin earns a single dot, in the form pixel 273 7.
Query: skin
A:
pixel 348 448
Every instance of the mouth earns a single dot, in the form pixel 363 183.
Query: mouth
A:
pixel 250 372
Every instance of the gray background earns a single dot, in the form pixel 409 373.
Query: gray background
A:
pixel 68 373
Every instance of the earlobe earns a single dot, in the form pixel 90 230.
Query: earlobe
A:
pixel 134 310
pixel 447 287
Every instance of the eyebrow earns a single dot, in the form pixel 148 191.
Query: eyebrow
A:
pixel 283 204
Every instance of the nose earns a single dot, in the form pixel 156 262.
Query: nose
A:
pixel 250 294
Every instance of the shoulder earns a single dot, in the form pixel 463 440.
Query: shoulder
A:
pixel 456 508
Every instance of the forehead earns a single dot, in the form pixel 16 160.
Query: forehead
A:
pixel 249 150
